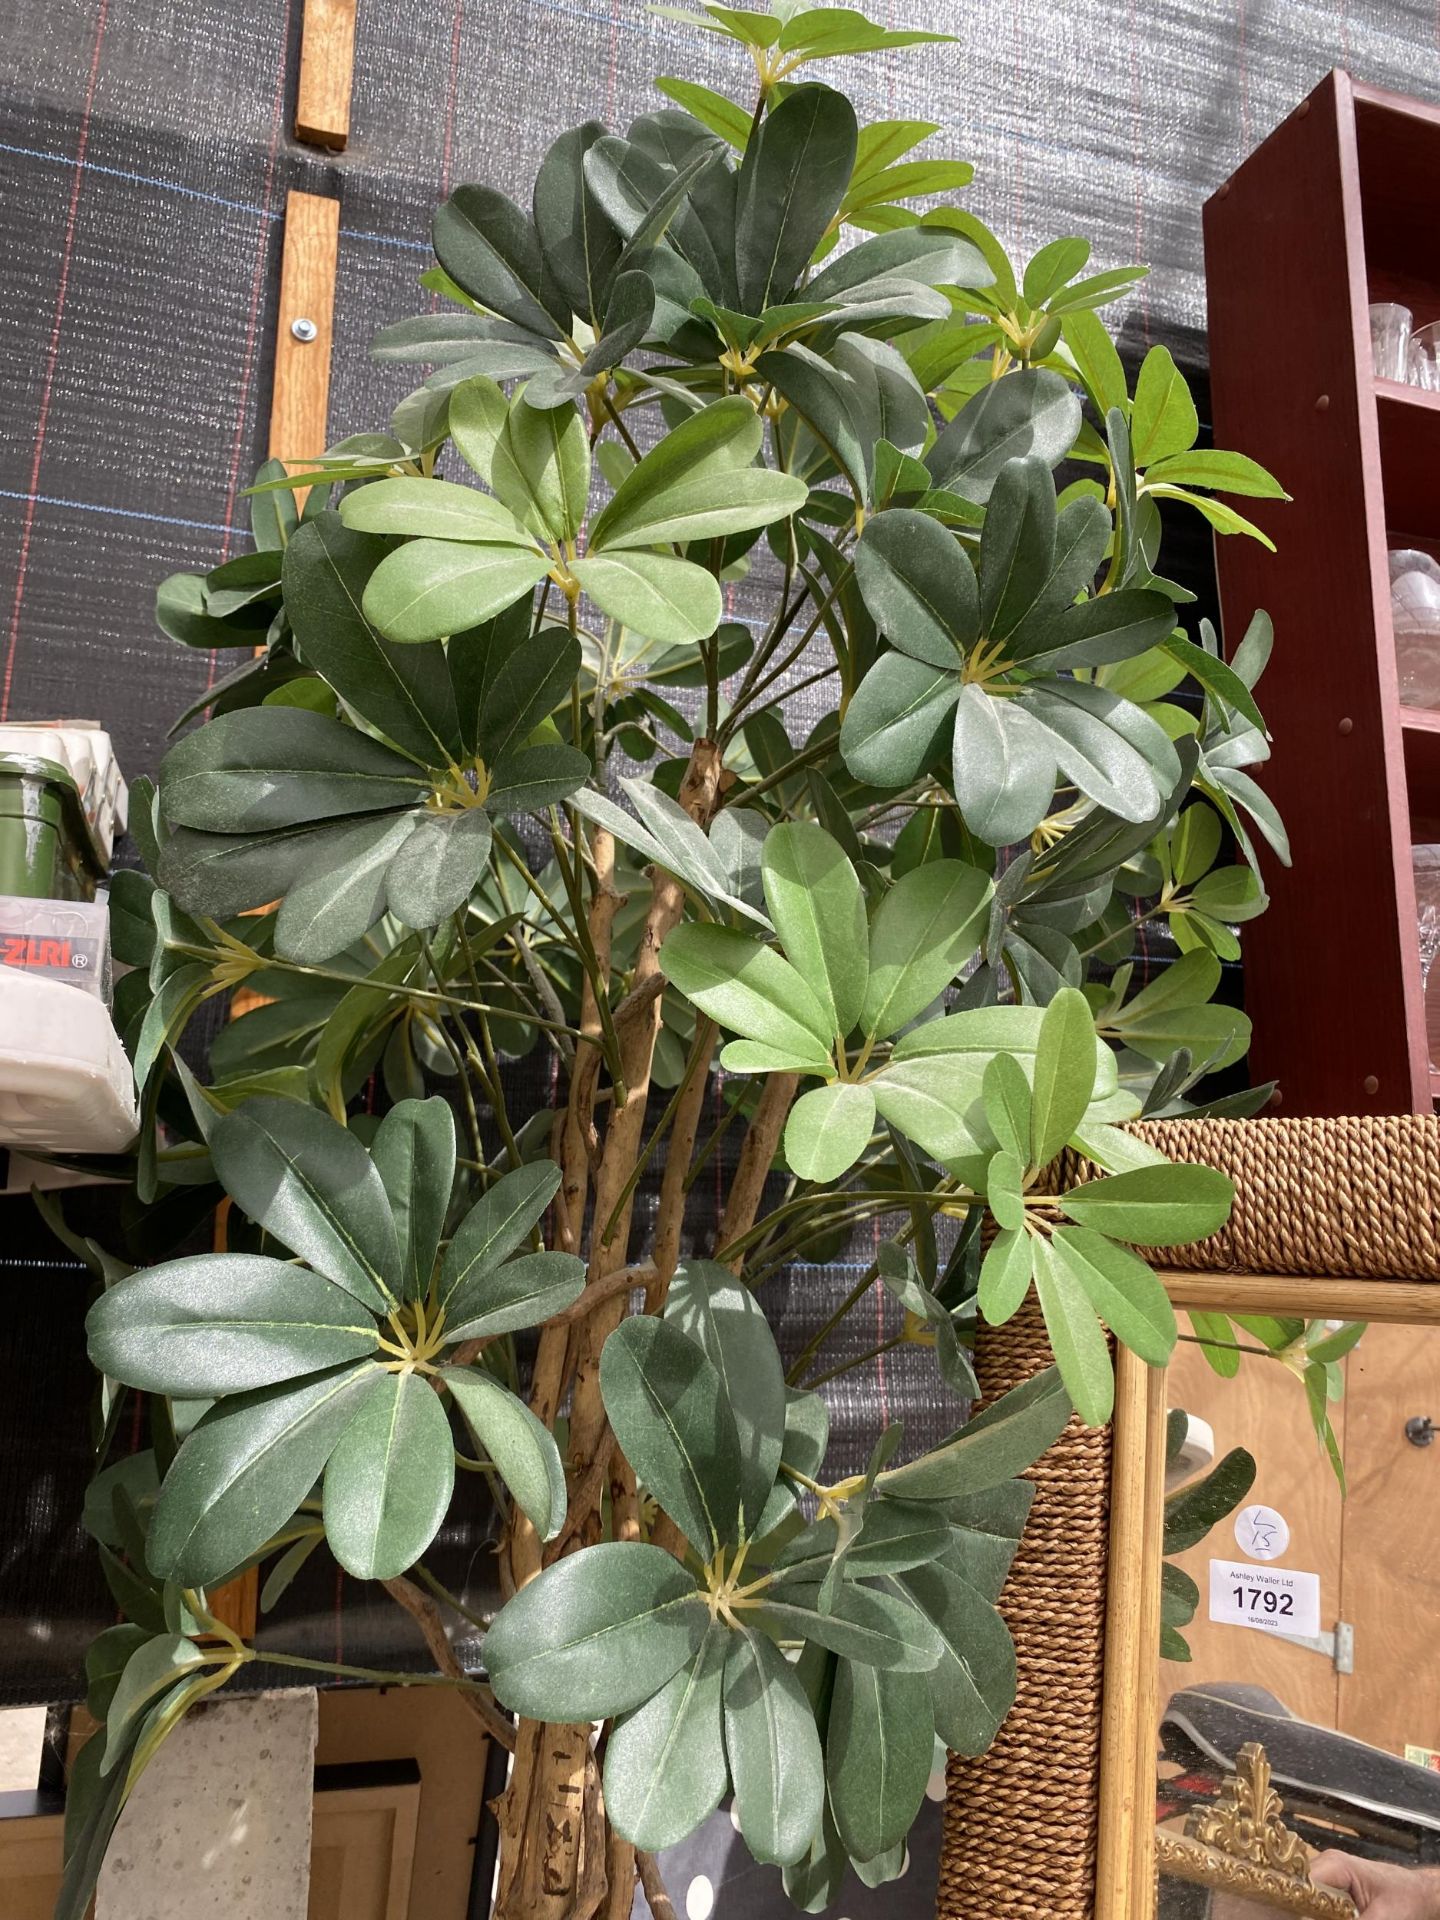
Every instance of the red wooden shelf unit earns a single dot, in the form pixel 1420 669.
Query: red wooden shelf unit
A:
pixel 1340 207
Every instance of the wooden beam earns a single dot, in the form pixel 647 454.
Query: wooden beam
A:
pixel 1395 1302
pixel 300 400
pixel 299 404
pixel 327 68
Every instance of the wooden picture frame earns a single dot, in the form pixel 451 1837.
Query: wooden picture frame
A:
pixel 1126 1861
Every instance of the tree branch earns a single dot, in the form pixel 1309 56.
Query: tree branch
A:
pixel 426 1615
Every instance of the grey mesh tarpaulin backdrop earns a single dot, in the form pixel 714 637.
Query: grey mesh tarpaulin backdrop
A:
pixel 146 158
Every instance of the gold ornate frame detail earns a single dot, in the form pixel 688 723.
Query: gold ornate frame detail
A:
pixel 1128 1842
pixel 1241 1845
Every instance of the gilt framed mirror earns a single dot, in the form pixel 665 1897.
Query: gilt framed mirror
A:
pixel 1272 1663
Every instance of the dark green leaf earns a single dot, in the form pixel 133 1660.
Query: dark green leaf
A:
pixel 414 1152
pixel 498 1223
pixel 268 767
pixel 669 1412
pixel 665 1762
pixel 220 1323
pixel 863 1625
pixel 246 1467
pixel 919 586
pixel 521 1446
pixel 893 727
pixel 776 1762
pixel 338 892
pixel 878 1749
pixel 389 1479
pixel 434 871
pixel 489 247
pixel 1033 411
pixel 596 1633
pixel 522 1293
pixel 791 182
pixel 997 1444
pixel 973 1688
pixel 722 1316
pixel 307 1180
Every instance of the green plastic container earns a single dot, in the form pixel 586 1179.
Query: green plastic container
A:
pixel 47 851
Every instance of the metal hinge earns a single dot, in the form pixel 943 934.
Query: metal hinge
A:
pixel 1338 1647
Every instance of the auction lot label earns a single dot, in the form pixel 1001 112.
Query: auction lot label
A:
pixel 1273 1599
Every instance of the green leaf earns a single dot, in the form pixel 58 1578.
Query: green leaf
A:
pixel 431 509
pixel 1194 843
pixel 878 1749
pixel 490 249
pixel 1007 1437
pixel 791 181
pixel 1077 1340
pixel 668 1409
pixel 521 1446
pixel 776 1762
pixel 973 1687
pixel 1224 519
pixel 1003 1179
pixel 1064 1074
pixel 478 414
pixel 863 1625
pixel 1212 467
pixel 596 1633
pixel 220 1323
pixel 580 249
pixel 1192 1511
pixel 1003 771
pixel 925 929
pixel 698 483
pixel 1114 753
pixel 985 1533
pixel 1215 677
pixel 1164 420
pixel 818 908
pixel 1004 1277
pixel 1006 1094
pixel 1096 359
pixel 1121 1288
pixel 658 596
pixel 893 727
pixel 404 691
pixel 151 1670
pixel 828 1129
pixel 932 1104
pixel 498 1223
pixel 304 1178
pixel 339 891
pixel 748 988
pixel 279 767
pixel 712 110
pixel 389 1479
pixel 430 588
pixel 508 680
pixel 831 404
pixel 919 587
pixel 665 1762
pixel 436 868
pixel 1154 1206
pixel 535 778
pixel 1052 267
pixel 245 1468
pixel 414 1154
pixel 722 1316
pixel 522 1293
pixel 1033 411
pixel 542 459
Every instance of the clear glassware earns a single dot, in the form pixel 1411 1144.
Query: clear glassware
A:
pixel 1390 327
pixel 1424 357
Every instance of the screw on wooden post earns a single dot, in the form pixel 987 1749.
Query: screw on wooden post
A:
pixel 327 68
pixel 299 402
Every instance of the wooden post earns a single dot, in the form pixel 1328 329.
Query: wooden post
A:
pixel 1125 1865
pixel 298 407
pixel 327 67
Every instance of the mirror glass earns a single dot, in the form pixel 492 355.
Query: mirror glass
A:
pixel 1307 1597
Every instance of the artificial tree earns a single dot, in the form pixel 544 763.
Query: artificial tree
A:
pixel 744 338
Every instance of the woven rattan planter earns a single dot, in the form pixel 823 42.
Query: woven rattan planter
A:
pixel 1337 1198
